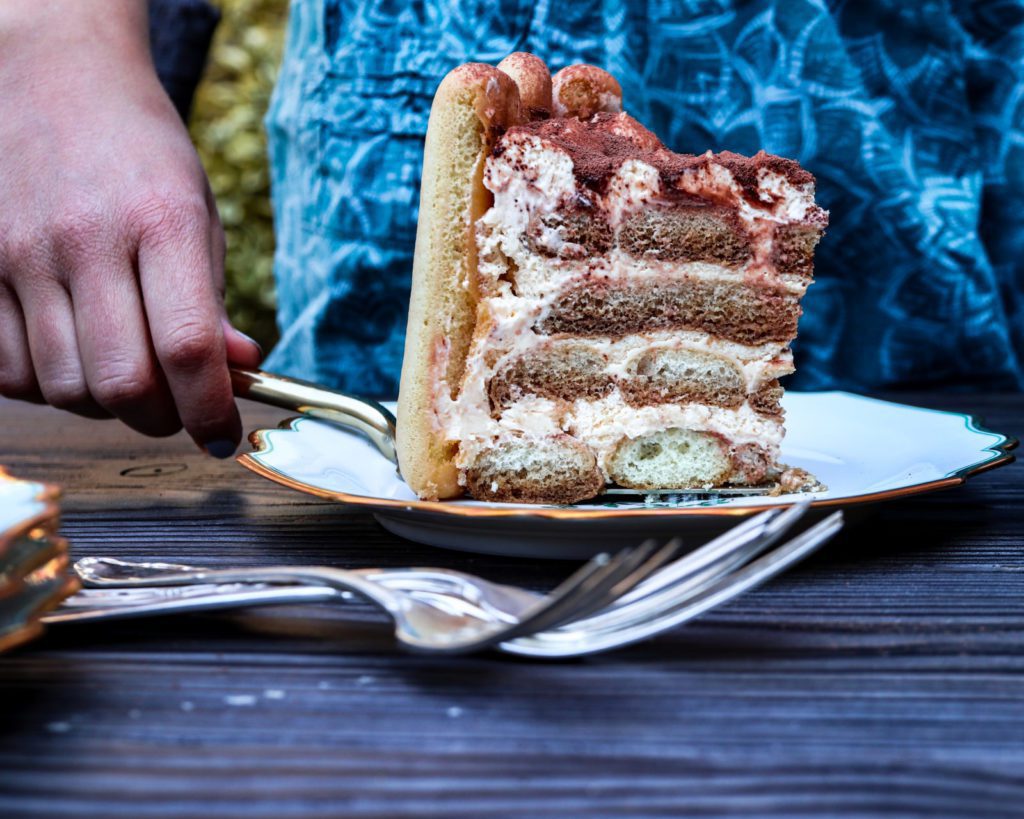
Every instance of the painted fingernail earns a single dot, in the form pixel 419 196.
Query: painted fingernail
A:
pixel 221 449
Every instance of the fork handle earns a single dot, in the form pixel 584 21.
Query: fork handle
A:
pixel 361 414
pixel 84 607
pixel 100 572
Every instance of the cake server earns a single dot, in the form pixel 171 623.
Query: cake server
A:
pixel 364 415
pixel 378 424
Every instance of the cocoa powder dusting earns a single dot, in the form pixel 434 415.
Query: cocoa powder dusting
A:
pixel 599 145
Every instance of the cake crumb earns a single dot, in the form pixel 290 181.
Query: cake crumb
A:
pixel 795 479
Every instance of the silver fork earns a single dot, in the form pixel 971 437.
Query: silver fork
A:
pixel 454 626
pixel 579 638
pixel 127 589
pixel 117 589
pixel 584 637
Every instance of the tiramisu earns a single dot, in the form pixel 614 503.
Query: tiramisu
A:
pixel 590 308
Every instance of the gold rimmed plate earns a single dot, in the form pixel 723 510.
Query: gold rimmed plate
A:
pixel 864 450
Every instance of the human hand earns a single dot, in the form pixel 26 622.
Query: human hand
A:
pixel 111 250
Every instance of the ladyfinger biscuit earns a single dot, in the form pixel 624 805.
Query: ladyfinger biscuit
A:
pixel 584 90
pixel 474 105
pixel 533 79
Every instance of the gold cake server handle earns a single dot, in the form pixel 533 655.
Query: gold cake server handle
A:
pixel 361 414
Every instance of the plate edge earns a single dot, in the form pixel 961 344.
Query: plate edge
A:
pixel 1001 456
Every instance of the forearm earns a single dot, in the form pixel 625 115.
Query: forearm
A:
pixel 114 34
pixel 74 57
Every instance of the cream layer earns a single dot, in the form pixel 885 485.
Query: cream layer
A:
pixel 507 319
pixel 535 274
pixel 467 418
pixel 532 178
pixel 759 364
pixel 602 424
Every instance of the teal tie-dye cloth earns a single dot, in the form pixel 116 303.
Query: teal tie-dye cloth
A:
pixel 910 114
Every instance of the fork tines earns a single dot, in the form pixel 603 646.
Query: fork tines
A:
pixel 596 584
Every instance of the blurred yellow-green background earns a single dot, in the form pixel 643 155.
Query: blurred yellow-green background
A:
pixel 227 127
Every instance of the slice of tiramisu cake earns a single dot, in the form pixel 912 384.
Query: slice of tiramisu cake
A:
pixel 600 310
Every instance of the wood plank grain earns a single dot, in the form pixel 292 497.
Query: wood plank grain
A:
pixel 884 675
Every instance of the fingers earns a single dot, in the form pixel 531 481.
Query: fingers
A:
pixel 17 378
pixel 53 345
pixel 584 90
pixel 73 324
pixel 117 358
pixel 184 309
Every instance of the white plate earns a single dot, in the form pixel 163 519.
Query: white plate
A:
pixel 862 449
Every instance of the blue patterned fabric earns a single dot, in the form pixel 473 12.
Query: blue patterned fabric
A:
pixel 910 114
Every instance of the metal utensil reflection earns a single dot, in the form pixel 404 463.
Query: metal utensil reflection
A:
pixel 364 415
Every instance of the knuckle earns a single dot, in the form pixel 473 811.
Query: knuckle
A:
pixel 166 215
pixel 21 249
pixel 66 393
pixel 123 387
pixel 189 347
pixel 77 228
pixel 47 244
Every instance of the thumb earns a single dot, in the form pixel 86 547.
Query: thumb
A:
pixel 242 351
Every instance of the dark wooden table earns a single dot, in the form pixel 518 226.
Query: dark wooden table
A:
pixel 886 674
